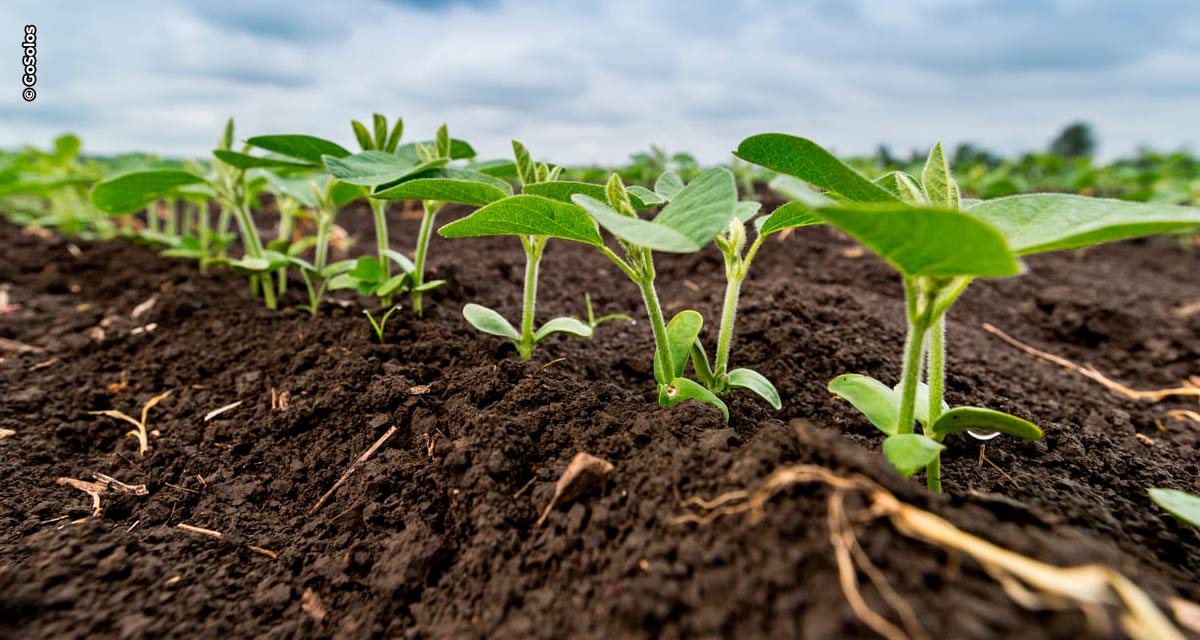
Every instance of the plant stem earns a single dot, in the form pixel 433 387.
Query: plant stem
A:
pixel 379 211
pixel 914 351
pixel 733 286
pixel 419 261
pixel 533 255
pixel 657 324
pixel 937 379
pixel 254 249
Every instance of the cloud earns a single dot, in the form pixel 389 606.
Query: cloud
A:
pixel 588 82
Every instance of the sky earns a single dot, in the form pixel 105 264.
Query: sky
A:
pixel 592 82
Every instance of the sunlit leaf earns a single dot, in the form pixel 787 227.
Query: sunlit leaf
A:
pixel 807 160
pixel 490 322
pixel 757 383
pixel 961 419
pixel 526 215
pixel 911 452
pixel 132 192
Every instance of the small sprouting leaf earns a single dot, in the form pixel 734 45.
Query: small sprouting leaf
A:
pixel 526 172
pixel 526 215
pixel 367 269
pixel 758 384
pixel 362 135
pixel 639 193
pixel 682 389
pixel 371 168
pixel 682 331
pixel 617 197
pixel 394 137
pixel 429 285
pixel 562 191
pixel 903 185
pixel 1041 222
pixel 961 419
pixel 875 400
pixel 911 452
pixel 669 185
pixel 788 216
pixel 489 322
pixel 563 325
pixel 337 268
pixel 251 264
pixel 381 132
pixel 447 185
pixel 925 241
pixel 810 162
pixel 393 284
pixel 247 161
pixel 459 150
pixel 132 192
pixel 746 209
pixel 796 189
pixel 700 364
pixel 443 142
pixel 401 260
pixel 691 220
pixel 1181 504
pixel 309 149
pixel 940 188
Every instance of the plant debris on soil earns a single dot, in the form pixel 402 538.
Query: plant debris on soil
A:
pixel 435 532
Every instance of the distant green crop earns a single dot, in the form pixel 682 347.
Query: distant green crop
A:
pixel 918 228
pixel 535 220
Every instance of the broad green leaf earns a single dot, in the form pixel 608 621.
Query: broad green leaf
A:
pixel 132 192
pixel 668 185
pixel 371 168
pixel 459 150
pixel 490 322
pixel 343 193
pixel 961 419
pixel 526 215
pixel 924 241
pixel 810 162
pixel 758 384
pixel 682 389
pixel 247 161
pixel 337 268
pixel 682 331
pixel 1041 222
pixel 911 452
pixel 563 325
pixel 563 190
pixel 447 185
pixel 790 215
pixel 1181 504
pixel 309 149
pixel 746 209
pixel 796 189
pixel 647 197
pixel 939 184
pixel 505 169
pixel 875 400
pixel 303 189
pixel 367 269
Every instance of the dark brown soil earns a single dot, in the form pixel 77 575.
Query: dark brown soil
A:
pixel 435 535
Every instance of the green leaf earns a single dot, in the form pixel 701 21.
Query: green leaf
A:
pixel 903 186
pixel 798 190
pixel 700 364
pixel 301 189
pixel 526 172
pixel 447 185
pixel 401 260
pixel 393 284
pixel 562 191
pixel 459 150
pixel 756 383
pixel 1181 504
pixel 505 169
pixel 563 325
pixel 701 211
pixel 393 139
pixel 338 268
pixel 1041 222
pixel 371 168
pixel 961 419
pixel 790 215
pixel 924 241
pixel 367 269
pixel 911 452
pixel 132 192
pixel 682 331
pixel 380 130
pixel 490 322
pixel 526 215
pixel 639 193
pixel 362 135
pixel 810 162
pixel 940 188
pixel 309 149
pixel 669 185
pixel 682 389
pixel 429 286
pixel 875 400
pixel 746 209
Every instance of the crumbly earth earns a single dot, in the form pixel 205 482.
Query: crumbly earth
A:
pixel 435 534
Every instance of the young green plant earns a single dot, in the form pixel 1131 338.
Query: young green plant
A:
pixel 529 217
pixel 917 226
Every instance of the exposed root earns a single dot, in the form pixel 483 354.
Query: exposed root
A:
pixel 1090 372
pixel 1028 582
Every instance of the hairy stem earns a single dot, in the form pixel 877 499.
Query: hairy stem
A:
pixel 254 249
pixel 533 255
pixel 419 261
pixel 914 347
pixel 733 286
pixel 379 211
pixel 937 378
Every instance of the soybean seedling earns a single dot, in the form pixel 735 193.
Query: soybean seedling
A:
pixel 922 229
pixel 513 211
pixel 139 431
pixel 416 171
pixel 378 325
pixel 695 215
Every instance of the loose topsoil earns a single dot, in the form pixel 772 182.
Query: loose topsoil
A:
pixel 436 534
